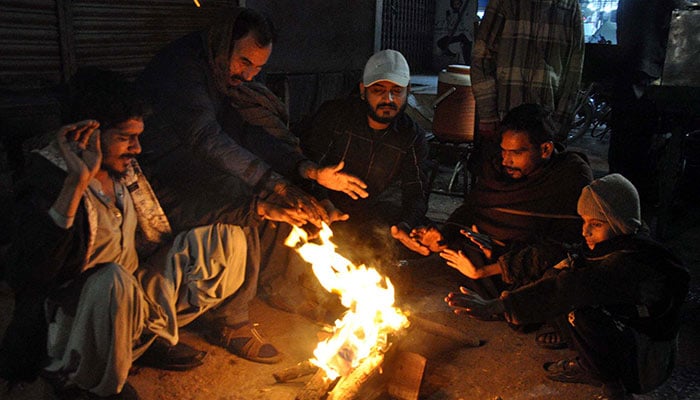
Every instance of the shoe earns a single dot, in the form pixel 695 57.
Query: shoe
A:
pixel 246 342
pixel 180 357
pixel 67 390
pixel 549 337
pixel 570 371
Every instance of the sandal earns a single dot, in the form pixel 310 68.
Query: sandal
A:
pixel 549 337
pixel 245 342
pixel 570 371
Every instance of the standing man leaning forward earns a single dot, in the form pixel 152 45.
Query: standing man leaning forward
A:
pixel 215 133
pixel 85 306
pixel 378 142
pixel 523 210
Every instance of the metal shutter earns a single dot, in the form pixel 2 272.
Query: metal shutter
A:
pixel 407 26
pixel 29 43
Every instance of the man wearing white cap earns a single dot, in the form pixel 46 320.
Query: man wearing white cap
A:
pixel 378 143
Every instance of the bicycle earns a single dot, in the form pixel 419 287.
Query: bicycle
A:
pixel 592 112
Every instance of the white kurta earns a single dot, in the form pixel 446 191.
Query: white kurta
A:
pixel 119 314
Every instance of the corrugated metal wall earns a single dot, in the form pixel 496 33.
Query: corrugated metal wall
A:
pixel 43 41
pixel 29 43
pixel 124 35
pixel 407 26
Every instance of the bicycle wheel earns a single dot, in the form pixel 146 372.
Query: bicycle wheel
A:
pixel 583 117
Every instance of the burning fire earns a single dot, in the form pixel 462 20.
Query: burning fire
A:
pixel 361 335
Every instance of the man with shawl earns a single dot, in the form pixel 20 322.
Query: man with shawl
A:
pixel 214 137
pixel 520 216
pixel 215 132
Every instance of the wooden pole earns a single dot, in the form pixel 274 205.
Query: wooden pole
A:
pixel 296 371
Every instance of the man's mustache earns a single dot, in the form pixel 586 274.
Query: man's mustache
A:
pixel 390 105
pixel 238 78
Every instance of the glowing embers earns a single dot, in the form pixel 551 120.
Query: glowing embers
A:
pixel 360 335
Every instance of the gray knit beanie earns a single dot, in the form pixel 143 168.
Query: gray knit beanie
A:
pixel 614 199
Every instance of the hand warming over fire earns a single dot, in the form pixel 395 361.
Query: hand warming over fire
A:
pixel 484 242
pixel 307 206
pixel 412 244
pixel 332 178
pixel 468 302
pixel 460 262
pixel 334 214
pixel 428 236
pixel 275 209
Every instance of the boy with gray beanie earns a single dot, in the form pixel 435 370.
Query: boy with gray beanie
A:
pixel 612 199
pixel 619 299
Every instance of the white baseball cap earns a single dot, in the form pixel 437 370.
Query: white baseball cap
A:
pixel 386 65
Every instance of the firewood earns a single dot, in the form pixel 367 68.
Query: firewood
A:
pixel 316 388
pixel 296 371
pixel 444 331
pixel 348 387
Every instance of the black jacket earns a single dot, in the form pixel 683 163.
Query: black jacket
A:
pixel 339 132
pixel 634 278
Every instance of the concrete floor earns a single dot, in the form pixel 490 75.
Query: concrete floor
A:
pixel 508 366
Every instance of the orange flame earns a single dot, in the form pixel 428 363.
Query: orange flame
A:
pixel 361 334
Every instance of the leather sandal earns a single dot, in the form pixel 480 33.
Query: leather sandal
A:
pixel 180 357
pixel 570 371
pixel 245 342
pixel 549 337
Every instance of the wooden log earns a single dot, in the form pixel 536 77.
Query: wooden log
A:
pixel 348 387
pixel 316 388
pixel 444 331
pixel 296 371
pixel 405 372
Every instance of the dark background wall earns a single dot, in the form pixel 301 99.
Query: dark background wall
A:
pixel 320 35
pixel 322 48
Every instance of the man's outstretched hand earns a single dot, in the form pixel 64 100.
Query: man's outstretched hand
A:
pixel 428 236
pixel 333 178
pixel 306 205
pixel 470 303
pixel 412 244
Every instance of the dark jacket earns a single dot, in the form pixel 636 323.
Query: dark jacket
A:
pixel 339 132
pixel 192 144
pixel 634 278
pixel 534 216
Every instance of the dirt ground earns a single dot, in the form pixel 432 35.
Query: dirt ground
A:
pixel 507 366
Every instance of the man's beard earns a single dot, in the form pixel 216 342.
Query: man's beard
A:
pixel 118 175
pixel 509 178
pixel 239 79
pixel 384 120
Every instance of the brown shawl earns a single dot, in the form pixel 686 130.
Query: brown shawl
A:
pixel 256 104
